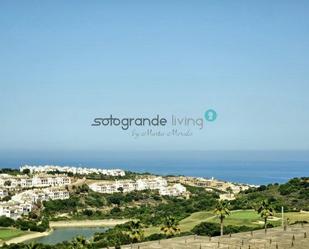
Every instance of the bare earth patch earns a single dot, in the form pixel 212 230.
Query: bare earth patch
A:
pixel 275 238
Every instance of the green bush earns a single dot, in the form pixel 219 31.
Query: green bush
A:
pixel 6 222
pixel 156 236
pixel 207 229
pixel 213 229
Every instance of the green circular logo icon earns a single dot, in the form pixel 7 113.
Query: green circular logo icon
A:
pixel 211 115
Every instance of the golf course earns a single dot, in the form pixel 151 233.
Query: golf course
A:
pixel 237 218
pixel 9 233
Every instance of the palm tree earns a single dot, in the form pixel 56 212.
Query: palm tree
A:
pixel 222 211
pixel 136 232
pixel 33 245
pixel 266 211
pixel 170 226
pixel 79 242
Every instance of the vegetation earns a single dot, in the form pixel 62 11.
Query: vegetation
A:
pixel 222 211
pixel 36 225
pixel 9 233
pixel 293 196
pixel 136 232
pixel 159 217
pixel 146 206
pixel 266 211
pixel 240 218
pixel 214 229
pixel 10 171
pixel 170 226
pixel 6 222
pixel 79 242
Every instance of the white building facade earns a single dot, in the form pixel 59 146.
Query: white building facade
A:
pixel 14 210
pixel 73 170
pixel 154 183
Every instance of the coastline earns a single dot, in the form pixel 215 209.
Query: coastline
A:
pixel 87 223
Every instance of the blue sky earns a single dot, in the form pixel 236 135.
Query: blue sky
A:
pixel 62 63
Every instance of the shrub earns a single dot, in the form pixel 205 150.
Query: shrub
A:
pixel 207 229
pixel 156 236
pixel 6 222
pixel 213 229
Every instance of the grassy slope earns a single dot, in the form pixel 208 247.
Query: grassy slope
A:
pixel 186 224
pixel 293 196
pixel 240 218
pixel 296 216
pixel 237 218
pixel 9 233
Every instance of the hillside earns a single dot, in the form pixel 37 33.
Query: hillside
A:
pixel 293 196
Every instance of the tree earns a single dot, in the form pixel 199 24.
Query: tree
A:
pixel 229 190
pixel 33 245
pixel 26 171
pixel 7 183
pixel 265 210
pixel 136 232
pixel 6 221
pixel 115 199
pixel 222 211
pixel 6 198
pixel 170 226
pixel 79 242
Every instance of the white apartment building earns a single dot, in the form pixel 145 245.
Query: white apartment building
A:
pixel 39 195
pixel 3 193
pixel 14 210
pixel 110 187
pixel 42 180
pixel 8 181
pixel 152 183
pixel 57 194
pixel 175 190
pixel 50 180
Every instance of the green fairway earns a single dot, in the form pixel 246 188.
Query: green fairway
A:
pixel 9 233
pixel 186 224
pixel 237 218
pixel 194 219
pixel 240 218
pixel 295 216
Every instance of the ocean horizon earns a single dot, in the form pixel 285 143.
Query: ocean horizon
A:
pixel 245 167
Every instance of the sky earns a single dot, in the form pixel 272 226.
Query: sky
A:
pixel 63 63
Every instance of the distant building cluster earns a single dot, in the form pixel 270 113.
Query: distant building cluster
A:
pixel 41 187
pixel 19 194
pixel 39 195
pixel 151 183
pixel 22 203
pixel 73 170
pixel 212 184
pixel 36 181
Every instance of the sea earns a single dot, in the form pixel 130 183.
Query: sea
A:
pixel 252 167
